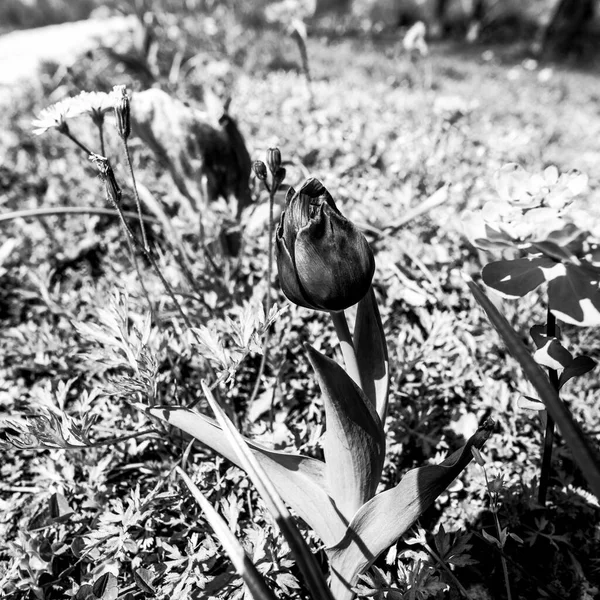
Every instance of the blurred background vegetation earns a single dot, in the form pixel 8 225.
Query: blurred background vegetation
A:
pixel 555 27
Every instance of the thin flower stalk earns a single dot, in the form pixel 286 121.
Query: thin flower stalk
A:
pixel 549 430
pixel 123 118
pixel 277 177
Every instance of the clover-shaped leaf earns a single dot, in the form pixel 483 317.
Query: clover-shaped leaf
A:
pixel 516 278
pixel 550 352
pixel 579 366
pixel 574 295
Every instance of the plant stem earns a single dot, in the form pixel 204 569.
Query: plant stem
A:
pixel 101 135
pixel 549 433
pixel 53 211
pixel 136 195
pixel 494 506
pixel 347 345
pixel 268 302
pixel 76 141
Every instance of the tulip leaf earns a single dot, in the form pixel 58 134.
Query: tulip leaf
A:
pixel 574 295
pixel 387 516
pixel 243 565
pixel 580 366
pixel 585 455
pixel 372 354
pixel 354 444
pixel 298 479
pixel 516 278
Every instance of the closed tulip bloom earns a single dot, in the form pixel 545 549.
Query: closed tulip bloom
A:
pixel 324 261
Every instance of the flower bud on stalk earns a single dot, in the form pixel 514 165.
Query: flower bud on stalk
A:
pixel 274 160
pixel 113 191
pixel 260 170
pixel 279 176
pixel 122 111
pixel 324 261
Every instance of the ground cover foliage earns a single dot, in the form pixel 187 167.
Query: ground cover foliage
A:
pixel 384 132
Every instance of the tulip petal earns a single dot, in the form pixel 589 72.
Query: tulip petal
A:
pixel 287 276
pixel 314 189
pixel 387 516
pixel 371 353
pixel 334 262
pixel 299 480
pixel 354 441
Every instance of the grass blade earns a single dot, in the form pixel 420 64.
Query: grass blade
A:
pixel 583 452
pixel 305 560
pixel 244 566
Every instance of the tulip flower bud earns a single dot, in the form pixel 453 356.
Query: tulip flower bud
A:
pixel 273 160
pixel 324 261
pixel 122 111
pixel 260 169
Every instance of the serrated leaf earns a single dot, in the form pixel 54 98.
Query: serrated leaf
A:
pixel 372 354
pixel 354 445
pixel 516 278
pixel 300 480
pixel 579 366
pixel 585 455
pixel 382 520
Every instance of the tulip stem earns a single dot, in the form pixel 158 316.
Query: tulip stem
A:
pixel 347 345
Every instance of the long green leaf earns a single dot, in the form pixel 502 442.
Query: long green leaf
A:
pixel 585 455
pixel 386 517
pixel 305 560
pixel 372 354
pixel 354 444
pixel 300 480
pixel 243 565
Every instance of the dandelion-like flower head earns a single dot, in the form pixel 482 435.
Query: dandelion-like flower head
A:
pixel 95 104
pixel 55 116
